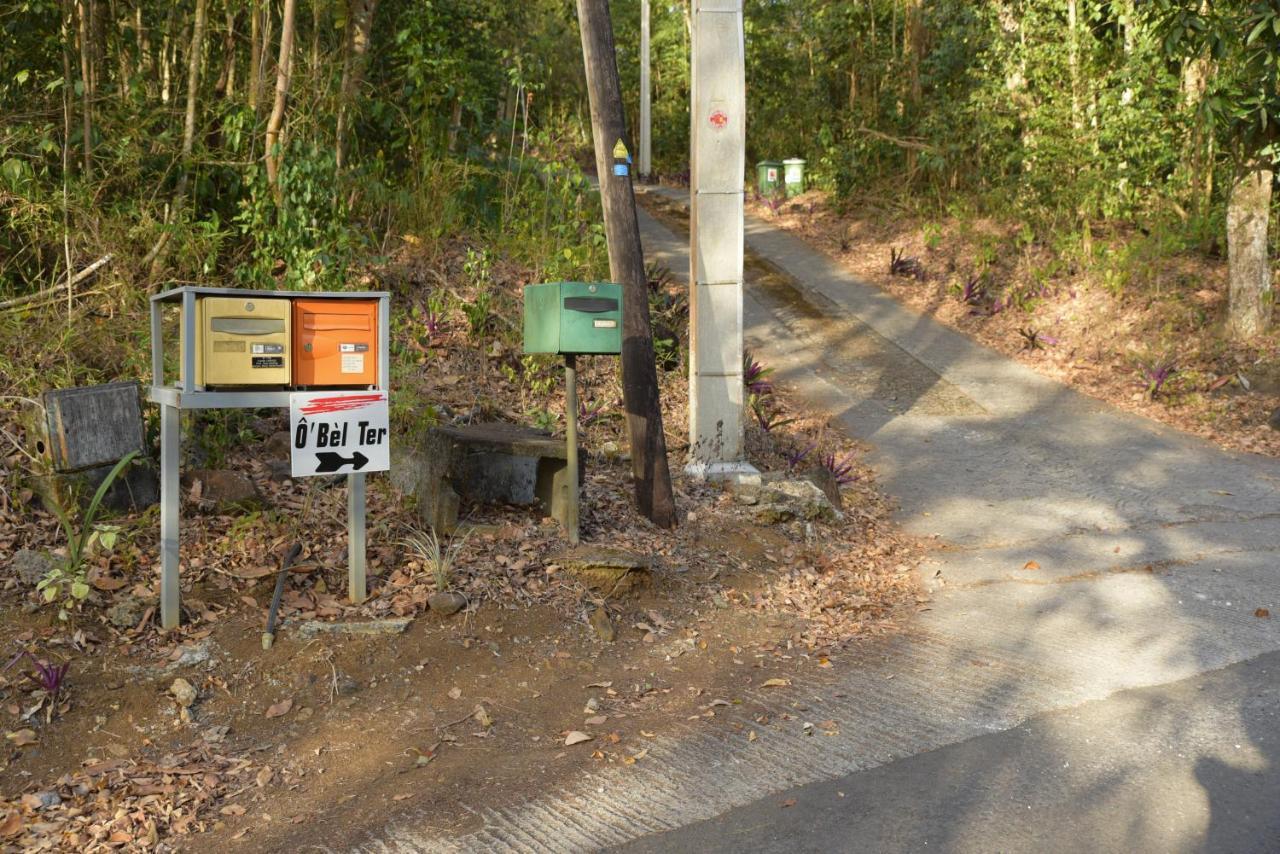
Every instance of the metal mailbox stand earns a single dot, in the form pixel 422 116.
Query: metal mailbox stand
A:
pixel 172 399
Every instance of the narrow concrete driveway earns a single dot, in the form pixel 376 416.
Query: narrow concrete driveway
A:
pixel 1106 686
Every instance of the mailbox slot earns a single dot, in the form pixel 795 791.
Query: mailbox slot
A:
pixel 594 305
pixel 336 342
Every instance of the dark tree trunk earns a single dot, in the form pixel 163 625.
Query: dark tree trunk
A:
pixel 626 265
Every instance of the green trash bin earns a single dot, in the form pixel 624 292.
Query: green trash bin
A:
pixel 794 176
pixel 768 177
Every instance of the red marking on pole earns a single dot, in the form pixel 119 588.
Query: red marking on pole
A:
pixel 719 119
pixel 345 403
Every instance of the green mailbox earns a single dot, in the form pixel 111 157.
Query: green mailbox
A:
pixel 768 177
pixel 573 318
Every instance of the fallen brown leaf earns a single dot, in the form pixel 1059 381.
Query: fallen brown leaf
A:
pixel 280 709
pixel 1262 613
pixel 775 683
pixel 12 824
pixel 575 737
pixel 22 737
pixel 1031 564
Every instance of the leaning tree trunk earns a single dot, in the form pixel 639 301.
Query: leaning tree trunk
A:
pixel 283 67
pixel 1248 210
pixel 649 467
pixel 84 36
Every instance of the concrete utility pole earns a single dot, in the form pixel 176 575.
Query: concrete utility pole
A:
pixel 646 113
pixel 718 139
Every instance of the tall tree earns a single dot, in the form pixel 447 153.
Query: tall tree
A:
pixel 355 51
pixel 284 68
pixel 649 465
pixel 1243 100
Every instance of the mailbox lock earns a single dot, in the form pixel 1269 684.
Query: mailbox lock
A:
pixel 248 306
pixel 592 288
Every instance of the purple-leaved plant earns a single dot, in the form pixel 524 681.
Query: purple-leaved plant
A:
pixel 755 376
pixel 974 290
pixel 1034 339
pixel 1157 373
pixel 840 469
pixel 51 678
pixel 798 455
pixel 767 417
pixel 900 264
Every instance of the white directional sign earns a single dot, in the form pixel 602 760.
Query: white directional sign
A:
pixel 339 432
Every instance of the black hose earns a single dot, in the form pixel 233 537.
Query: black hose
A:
pixel 270 635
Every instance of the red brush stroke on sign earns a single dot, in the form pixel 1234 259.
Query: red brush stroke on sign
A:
pixel 345 403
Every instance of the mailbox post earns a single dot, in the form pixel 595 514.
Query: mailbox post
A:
pixel 237 351
pixel 572 319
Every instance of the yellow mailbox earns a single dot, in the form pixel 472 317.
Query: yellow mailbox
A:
pixel 242 341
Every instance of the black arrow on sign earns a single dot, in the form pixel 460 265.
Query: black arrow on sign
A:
pixel 330 461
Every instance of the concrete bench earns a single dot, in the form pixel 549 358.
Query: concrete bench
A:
pixel 483 463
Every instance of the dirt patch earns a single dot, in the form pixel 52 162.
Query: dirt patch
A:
pixel 324 734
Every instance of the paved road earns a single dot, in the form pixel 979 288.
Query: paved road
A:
pixel 1194 765
pixel 1106 691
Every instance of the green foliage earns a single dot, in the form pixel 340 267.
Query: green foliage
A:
pixel 68 582
pixel 305 241
pixel 479 313
pixel 543 419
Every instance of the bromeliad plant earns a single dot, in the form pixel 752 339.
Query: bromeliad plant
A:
pixel 68 582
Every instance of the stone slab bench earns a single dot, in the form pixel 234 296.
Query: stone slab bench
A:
pixel 483 463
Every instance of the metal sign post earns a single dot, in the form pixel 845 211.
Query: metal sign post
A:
pixel 187 394
pixel 571 452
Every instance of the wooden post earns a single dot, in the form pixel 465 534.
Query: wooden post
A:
pixel 718 163
pixel 626 266
pixel 646 111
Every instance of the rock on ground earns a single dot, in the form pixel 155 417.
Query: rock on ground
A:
pixel 30 566
pixel 610 572
pixel 224 488
pixel 784 500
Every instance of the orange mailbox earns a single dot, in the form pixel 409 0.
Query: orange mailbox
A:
pixel 335 342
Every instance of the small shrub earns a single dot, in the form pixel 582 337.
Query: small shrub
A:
pixel 68 581
pixel 437 555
